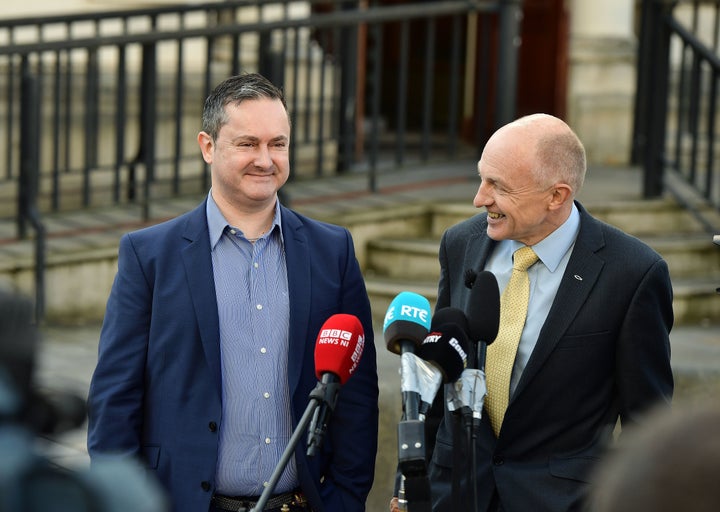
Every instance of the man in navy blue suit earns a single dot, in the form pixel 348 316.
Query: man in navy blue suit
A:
pixel 206 356
pixel 593 350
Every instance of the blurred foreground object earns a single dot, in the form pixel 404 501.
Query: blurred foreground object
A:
pixel 30 482
pixel 668 463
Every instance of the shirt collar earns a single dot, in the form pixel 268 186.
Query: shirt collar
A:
pixel 553 247
pixel 217 222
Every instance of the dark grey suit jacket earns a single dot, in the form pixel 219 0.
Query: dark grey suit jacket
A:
pixel 602 354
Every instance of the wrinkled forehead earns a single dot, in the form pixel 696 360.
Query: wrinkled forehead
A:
pixel 511 145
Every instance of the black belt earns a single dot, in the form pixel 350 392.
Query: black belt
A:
pixel 244 504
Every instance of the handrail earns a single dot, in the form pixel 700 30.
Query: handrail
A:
pixel 120 92
pixel 329 20
pixel 677 90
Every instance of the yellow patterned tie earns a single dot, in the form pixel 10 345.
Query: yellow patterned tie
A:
pixel 501 353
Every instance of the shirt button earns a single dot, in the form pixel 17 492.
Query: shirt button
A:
pixel 259 306
pixel 233 232
pixel 263 350
pixel 266 395
pixel 255 265
pixel 267 440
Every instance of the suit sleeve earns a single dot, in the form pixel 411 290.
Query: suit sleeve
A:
pixel 115 401
pixel 355 420
pixel 644 374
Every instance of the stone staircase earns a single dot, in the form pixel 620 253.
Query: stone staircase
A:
pixel 396 234
pixel 402 252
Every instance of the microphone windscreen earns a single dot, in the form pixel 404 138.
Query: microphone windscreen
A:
pixel 484 308
pixel 339 346
pixel 407 318
pixel 450 315
pixel 470 276
pixel 446 348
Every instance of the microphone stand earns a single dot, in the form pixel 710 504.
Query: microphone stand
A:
pixel 324 392
pixel 411 459
pixel 410 398
pixel 411 448
pixel 480 362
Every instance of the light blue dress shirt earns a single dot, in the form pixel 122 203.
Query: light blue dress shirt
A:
pixel 554 253
pixel 253 307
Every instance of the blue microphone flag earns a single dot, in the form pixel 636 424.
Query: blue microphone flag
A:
pixel 407 318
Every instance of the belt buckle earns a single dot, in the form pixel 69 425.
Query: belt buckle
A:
pixel 299 499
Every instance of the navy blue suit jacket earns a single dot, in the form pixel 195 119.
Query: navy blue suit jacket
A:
pixel 603 353
pixel 156 391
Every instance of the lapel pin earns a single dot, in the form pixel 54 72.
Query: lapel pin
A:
pixel 578 277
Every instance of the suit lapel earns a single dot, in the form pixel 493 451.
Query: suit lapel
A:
pixel 479 246
pixel 197 261
pixel 582 272
pixel 297 258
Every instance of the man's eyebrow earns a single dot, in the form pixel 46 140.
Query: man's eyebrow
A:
pixel 253 138
pixel 245 138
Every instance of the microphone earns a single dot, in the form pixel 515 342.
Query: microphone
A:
pixel 405 327
pixel 483 321
pixel 338 349
pixel 443 353
pixel 469 277
pixel 407 322
pixel 483 312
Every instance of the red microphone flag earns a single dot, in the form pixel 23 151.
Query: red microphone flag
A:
pixel 339 346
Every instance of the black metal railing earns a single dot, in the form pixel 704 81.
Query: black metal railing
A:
pixel 122 90
pixel 677 99
pixel 117 95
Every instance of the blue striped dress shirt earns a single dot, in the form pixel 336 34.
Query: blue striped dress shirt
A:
pixel 253 306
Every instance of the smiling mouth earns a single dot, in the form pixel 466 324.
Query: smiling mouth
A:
pixel 495 216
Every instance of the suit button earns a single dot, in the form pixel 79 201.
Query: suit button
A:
pixel 498 460
pixel 205 486
pixel 212 426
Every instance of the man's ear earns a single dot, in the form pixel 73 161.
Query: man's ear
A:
pixel 207 145
pixel 561 194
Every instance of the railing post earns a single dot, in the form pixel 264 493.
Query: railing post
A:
pixel 656 114
pixel 29 147
pixel 148 119
pixel 643 86
pixel 347 113
pixel 508 44
pixel 30 177
pixel 91 122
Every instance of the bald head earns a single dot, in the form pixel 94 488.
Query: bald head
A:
pixel 556 153
pixel 530 171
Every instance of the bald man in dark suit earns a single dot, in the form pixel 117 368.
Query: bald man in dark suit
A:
pixel 594 348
